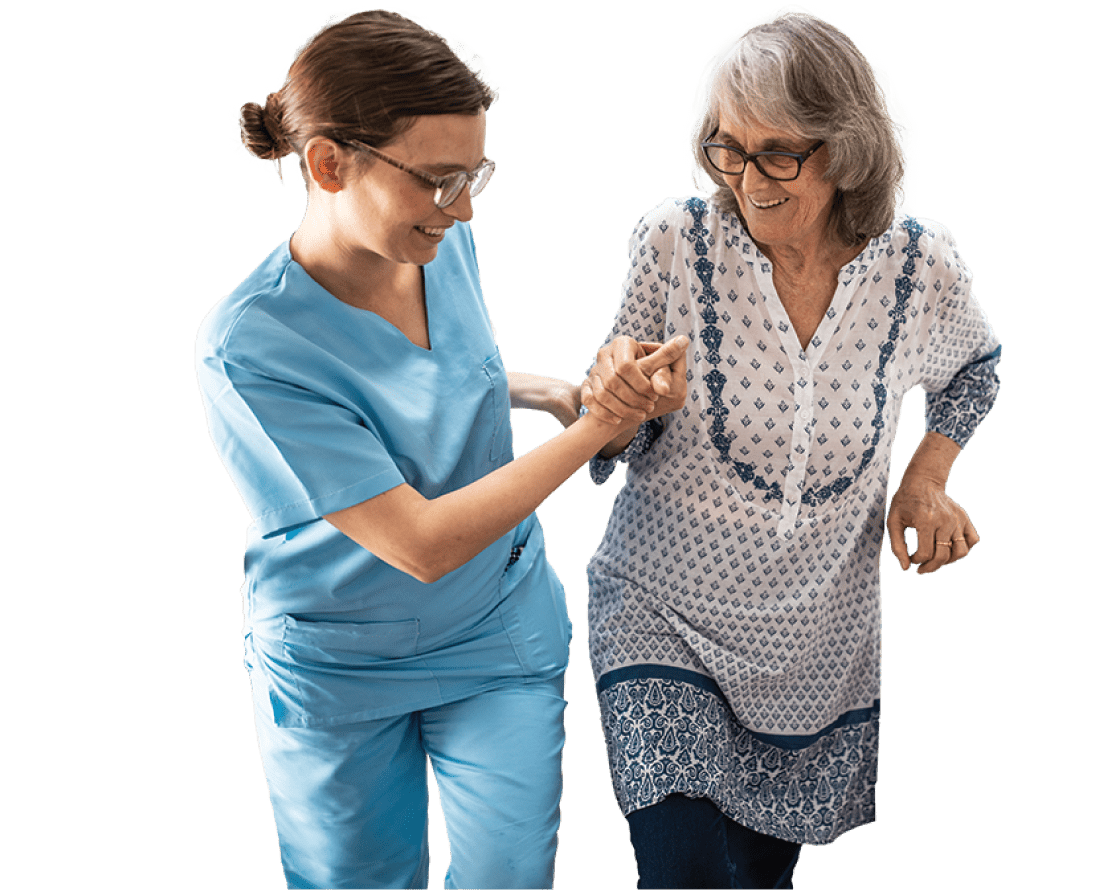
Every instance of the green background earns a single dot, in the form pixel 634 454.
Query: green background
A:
pixel 131 758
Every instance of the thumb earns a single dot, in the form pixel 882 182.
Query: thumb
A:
pixel 664 356
pixel 896 528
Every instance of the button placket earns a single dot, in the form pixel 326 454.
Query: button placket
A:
pixel 800 444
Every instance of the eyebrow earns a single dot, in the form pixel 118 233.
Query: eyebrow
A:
pixel 443 169
pixel 768 145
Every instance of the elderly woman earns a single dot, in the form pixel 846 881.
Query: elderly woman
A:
pixel 734 612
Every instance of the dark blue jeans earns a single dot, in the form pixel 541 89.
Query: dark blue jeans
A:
pixel 689 842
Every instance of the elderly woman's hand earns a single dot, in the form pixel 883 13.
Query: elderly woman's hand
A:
pixel 632 382
pixel 945 533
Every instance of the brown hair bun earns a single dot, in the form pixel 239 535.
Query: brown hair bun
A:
pixel 261 132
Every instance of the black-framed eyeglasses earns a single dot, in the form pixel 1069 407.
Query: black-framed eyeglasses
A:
pixel 780 165
pixel 448 187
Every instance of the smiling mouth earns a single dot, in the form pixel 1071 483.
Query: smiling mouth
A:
pixel 431 233
pixel 766 205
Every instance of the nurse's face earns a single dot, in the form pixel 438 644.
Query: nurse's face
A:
pixel 392 212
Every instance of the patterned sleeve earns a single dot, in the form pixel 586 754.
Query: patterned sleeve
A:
pixel 642 315
pixel 959 370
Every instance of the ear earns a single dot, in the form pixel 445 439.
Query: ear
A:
pixel 322 165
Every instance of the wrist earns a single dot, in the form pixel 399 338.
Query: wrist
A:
pixel 619 443
pixel 923 479
pixel 596 433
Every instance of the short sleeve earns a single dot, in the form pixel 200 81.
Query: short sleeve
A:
pixel 959 368
pixel 295 455
pixel 642 315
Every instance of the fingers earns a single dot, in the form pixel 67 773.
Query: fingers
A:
pixel 897 531
pixel 632 382
pixel 951 542
pixel 668 380
pixel 624 358
pixel 664 355
pixel 662 381
pixel 939 552
pixel 961 542
pixel 605 405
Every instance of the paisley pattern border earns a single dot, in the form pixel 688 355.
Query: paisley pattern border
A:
pixel 677 736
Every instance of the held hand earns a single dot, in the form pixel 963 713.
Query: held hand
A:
pixel 565 403
pixel 633 382
pixel 945 533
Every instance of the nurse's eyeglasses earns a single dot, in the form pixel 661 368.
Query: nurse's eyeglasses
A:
pixel 448 187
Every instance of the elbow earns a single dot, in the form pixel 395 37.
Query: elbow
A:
pixel 429 564
pixel 427 574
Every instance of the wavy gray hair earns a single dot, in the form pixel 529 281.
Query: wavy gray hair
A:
pixel 803 76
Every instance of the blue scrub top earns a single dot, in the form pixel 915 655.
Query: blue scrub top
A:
pixel 315 406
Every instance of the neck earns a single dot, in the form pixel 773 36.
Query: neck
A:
pixel 806 255
pixel 360 278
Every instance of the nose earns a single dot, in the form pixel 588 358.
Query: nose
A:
pixel 752 178
pixel 461 209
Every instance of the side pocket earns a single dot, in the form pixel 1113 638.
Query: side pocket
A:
pixel 501 442
pixel 534 612
pixel 346 643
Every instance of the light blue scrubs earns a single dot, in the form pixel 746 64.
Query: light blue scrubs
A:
pixel 315 406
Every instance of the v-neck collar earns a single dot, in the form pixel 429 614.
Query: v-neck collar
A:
pixel 378 320
pixel 777 310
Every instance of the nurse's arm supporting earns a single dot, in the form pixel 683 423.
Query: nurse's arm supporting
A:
pixel 558 397
pixel 429 538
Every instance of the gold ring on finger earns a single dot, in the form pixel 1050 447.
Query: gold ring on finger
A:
pixel 945 543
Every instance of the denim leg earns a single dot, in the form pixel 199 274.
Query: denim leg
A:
pixel 688 842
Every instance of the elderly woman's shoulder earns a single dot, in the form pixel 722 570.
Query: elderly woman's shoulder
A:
pixel 917 229
pixel 676 215
pixel 917 240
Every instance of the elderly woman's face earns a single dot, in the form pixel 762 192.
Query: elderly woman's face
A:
pixel 790 214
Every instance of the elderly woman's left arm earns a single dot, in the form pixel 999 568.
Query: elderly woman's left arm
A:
pixel 945 533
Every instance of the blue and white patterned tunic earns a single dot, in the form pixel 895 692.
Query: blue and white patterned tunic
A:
pixel 734 600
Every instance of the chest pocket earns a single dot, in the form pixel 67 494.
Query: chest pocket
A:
pixel 497 410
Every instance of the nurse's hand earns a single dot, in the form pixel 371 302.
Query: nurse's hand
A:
pixel 633 382
pixel 566 404
pixel 558 397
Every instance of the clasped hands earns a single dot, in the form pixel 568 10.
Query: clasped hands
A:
pixel 633 382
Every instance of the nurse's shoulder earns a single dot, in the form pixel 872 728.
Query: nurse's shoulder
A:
pixel 243 324
pixel 222 321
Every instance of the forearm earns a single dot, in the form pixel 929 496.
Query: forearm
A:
pixel 534 392
pixel 429 538
pixel 932 460
pixel 468 520
pixel 619 444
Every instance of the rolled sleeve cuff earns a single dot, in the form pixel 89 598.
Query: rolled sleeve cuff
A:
pixel 601 468
pixel 957 410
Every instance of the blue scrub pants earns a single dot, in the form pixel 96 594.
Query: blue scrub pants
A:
pixel 351 802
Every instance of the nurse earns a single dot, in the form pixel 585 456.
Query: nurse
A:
pixel 399 608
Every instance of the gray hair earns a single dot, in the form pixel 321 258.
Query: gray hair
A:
pixel 804 77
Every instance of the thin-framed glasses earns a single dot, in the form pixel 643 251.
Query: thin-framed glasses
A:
pixel 780 165
pixel 448 187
